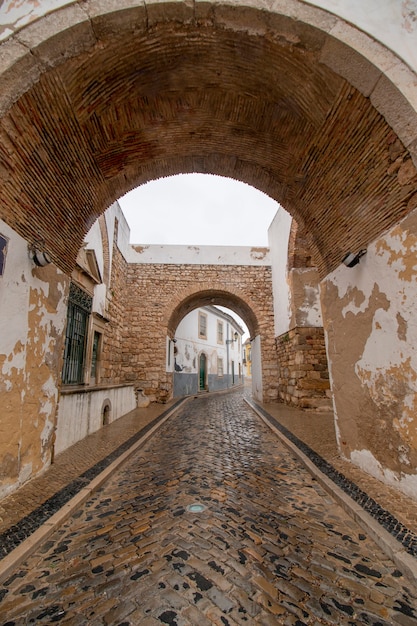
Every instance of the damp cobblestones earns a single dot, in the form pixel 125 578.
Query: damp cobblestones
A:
pixel 270 546
pixel 17 533
pixel 406 537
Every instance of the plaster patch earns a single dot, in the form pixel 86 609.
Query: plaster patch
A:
pixel 25 473
pixel 402 327
pixel 399 248
pixel 359 301
pixel 258 253
pixel 407 483
pixel 14 362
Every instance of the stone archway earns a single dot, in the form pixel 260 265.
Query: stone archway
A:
pixel 89 98
pixel 256 315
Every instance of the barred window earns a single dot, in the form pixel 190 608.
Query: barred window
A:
pixel 79 309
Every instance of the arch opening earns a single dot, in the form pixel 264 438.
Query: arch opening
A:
pixel 106 413
pixel 224 338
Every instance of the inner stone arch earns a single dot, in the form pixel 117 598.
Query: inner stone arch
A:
pixel 214 297
pixel 259 324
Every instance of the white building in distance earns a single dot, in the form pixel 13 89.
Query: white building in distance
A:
pixel 207 352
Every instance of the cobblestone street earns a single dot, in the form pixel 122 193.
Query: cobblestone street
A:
pixel 269 546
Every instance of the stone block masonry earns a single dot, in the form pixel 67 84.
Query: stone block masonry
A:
pixel 158 295
pixel 303 378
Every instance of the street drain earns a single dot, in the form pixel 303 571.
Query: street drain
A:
pixel 195 508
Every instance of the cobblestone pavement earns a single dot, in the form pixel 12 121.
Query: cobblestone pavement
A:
pixel 270 546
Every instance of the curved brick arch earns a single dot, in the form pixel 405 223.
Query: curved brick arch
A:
pixel 299 254
pixel 92 107
pixel 215 296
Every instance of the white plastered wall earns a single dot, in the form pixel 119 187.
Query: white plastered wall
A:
pixel 32 320
pixel 278 237
pixel 371 328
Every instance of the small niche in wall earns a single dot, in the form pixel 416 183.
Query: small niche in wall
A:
pixel 3 249
pixel 106 412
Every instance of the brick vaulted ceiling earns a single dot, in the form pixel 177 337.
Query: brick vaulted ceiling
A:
pixel 178 96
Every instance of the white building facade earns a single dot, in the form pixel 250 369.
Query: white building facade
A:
pixel 207 352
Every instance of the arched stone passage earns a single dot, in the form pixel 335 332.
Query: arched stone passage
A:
pixel 92 108
pixel 218 297
pixel 258 319
pixel 158 296
pixel 95 100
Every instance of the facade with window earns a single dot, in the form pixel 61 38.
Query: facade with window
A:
pixel 247 358
pixel 89 396
pixel 207 352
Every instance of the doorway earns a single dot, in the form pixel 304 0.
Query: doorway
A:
pixel 203 372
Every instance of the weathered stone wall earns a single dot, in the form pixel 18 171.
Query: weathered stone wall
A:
pixel 114 352
pixel 303 377
pixel 369 314
pixel 32 320
pixel 155 291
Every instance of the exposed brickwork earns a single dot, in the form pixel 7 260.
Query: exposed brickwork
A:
pixel 344 178
pixel 299 255
pixel 113 352
pixel 303 373
pixel 154 304
pixel 102 111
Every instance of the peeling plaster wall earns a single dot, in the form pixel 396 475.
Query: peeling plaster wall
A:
pixel 371 328
pixel 306 307
pixel 296 292
pixel 32 320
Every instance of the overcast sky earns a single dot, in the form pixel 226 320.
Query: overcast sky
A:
pixel 198 209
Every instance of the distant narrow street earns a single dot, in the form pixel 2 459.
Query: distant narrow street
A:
pixel 268 547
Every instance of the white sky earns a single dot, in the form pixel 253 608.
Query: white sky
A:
pixel 198 209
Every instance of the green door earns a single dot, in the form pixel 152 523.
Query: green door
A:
pixel 203 364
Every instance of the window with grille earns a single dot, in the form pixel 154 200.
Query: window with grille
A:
pixel 79 309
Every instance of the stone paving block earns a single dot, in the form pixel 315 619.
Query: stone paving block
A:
pixel 194 616
pixel 224 603
pixel 245 601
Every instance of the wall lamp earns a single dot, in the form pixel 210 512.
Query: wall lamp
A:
pixel 350 259
pixel 38 254
pixel 235 336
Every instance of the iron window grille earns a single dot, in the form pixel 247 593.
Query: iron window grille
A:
pixel 79 309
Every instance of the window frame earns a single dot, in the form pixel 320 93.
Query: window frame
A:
pixel 79 309
pixel 220 367
pixel 220 332
pixel 202 326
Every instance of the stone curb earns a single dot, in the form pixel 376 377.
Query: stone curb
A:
pixel 19 554
pixel 392 548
